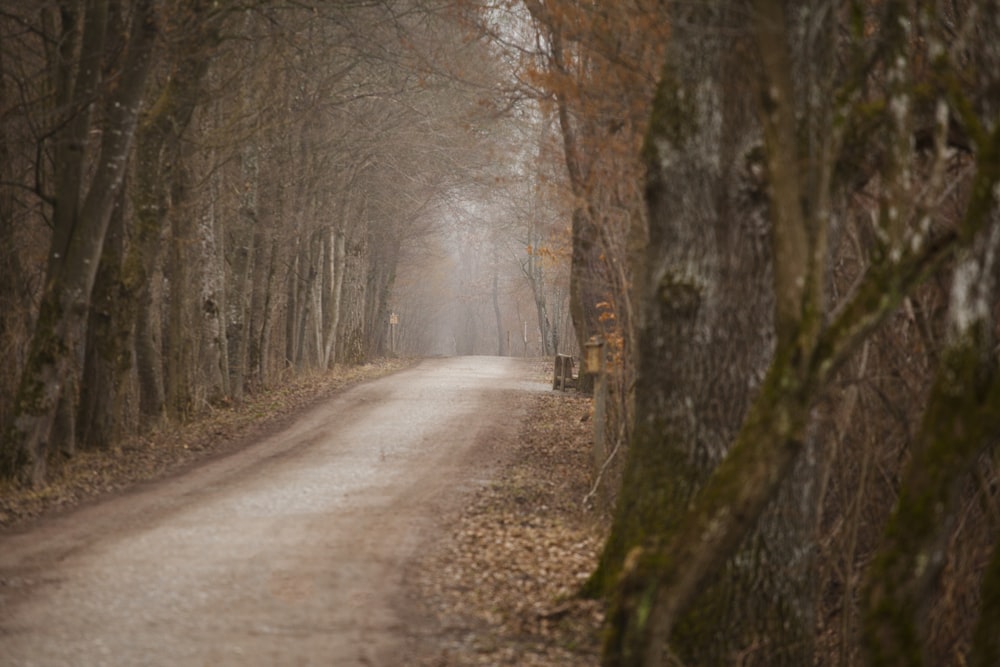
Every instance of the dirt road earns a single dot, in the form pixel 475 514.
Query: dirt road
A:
pixel 289 552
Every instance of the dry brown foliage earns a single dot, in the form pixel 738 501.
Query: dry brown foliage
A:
pixel 91 474
pixel 500 588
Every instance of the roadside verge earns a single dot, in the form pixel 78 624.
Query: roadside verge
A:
pixel 498 587
pixel 174 447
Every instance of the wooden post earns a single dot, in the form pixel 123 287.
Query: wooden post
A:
pixel 562 372
pixel 393 322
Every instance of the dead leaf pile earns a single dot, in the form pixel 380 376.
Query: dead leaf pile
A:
pixel 501 585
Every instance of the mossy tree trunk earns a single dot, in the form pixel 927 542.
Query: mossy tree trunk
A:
pixel 91 409
pixel 960 424
pixel 686 528
pixel 81 215
pixel 706 342
pixel 986 639
pixel 962 416
pixel 102 417
pixel 178 342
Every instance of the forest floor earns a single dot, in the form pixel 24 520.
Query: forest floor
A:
pixel 496 583
pixel 89 475
pixel 500 586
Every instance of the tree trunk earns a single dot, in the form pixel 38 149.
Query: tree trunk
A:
pixel 586 288
pixel 331 312
pixel 320 298
pixel 292 307
pixel 15 280
pixel 78 238
pixel 959 424
pixel 71 155
pixel 533 271
pixel 682 552
pixel 178 376
pixel 158 153
pixel 149 351
pixel 109 353
pixel 305 286
pixel 351 339
pixel 986 640
pixel 265 250
pixel 705 345
pixel 240 293
pixel 383 258
pixel 496 303
pixel 211 370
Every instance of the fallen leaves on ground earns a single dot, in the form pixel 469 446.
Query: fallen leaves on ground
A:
pixel 501 585
pixel 89 474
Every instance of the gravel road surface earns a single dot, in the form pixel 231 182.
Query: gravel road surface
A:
pixel 289 552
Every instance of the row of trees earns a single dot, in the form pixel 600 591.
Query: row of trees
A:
pixel 198 198
pixel 786 215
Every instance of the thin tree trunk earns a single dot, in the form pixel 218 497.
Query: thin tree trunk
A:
pixel 336 297
pixel 292 307
pixel 148 351
pixel 536 279
pixel 109 352
pixel 304 299
pixel 496 308
pixel 237 330
pixel 180 323
pixel 268 318
pixel 326 298
pixel 319 297
pixel 213 382
pixel 260 302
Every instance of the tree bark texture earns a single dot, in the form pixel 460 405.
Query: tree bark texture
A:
pixel 705 345
pixel 960 424
pixel 665 597
pixel 102 418
pixel 178 344
pixel 154 195
pixel 78 237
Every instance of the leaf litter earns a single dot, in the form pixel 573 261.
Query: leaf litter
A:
pixel 217 430
pixel 500 587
